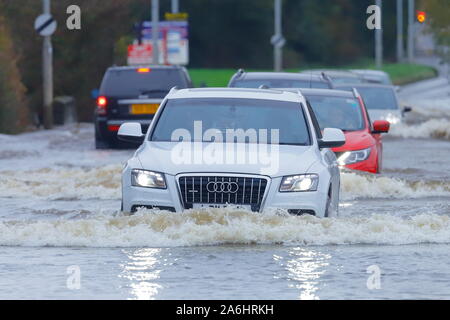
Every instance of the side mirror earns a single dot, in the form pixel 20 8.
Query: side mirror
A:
pixel 381 126
pixel 407 109
pixel 332 138
pixel 131 132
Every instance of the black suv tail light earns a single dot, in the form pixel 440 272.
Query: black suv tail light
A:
pixel 102 102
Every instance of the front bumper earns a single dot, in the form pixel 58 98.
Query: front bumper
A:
pixel 313 202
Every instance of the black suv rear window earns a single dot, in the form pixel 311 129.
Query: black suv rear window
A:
pixel 131 83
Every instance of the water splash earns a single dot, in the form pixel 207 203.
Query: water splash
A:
pixel 225 226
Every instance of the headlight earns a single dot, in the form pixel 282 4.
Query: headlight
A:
pixel 393 119
pixel 301 182
pixel 350 157
pixel 147 179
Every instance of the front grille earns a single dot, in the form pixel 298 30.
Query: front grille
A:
pixel 222 190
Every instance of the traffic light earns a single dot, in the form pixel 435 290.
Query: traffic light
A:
pixel 421 16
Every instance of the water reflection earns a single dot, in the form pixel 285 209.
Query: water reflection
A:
pixel 305 267
pixel 142 270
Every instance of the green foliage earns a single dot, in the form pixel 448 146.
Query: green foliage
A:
pixel 223 34
pixel 80 56
pixel 438 13
pixel 14 115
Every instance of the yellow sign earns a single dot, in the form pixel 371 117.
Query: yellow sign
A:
pixel 181 16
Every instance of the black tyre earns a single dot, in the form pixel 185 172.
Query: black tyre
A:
pixel 328 207
pixel 101 143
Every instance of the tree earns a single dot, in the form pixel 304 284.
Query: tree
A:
pixel 14 115
pixel 438 13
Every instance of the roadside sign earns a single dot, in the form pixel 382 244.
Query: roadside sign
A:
pixel 278 40
pixel 140 54
pixel 180 16
pixel 45 25
pixel 173 41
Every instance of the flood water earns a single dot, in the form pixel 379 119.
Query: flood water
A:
pixel 60 218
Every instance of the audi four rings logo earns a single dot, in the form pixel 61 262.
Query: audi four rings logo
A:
pixel 225 187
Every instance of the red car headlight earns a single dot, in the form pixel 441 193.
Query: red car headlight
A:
pixel 350 157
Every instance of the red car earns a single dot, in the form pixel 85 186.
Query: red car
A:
pixel 345 110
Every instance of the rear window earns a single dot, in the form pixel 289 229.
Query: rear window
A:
pixel 345 80
pixel 280 83
pixel 131 83
pixel 377 98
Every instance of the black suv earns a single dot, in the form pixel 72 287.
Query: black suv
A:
pixel 133 94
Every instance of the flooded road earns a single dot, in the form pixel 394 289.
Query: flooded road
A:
pixel 60 218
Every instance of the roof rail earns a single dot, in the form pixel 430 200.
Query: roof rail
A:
pixel 173 90
pixel 325 76
pixel 356 93
pixel 240 72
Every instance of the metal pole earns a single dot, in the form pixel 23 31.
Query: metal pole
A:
pixel 411 31
pixel 47 74
pixel 399 30
pixel 277 53
pixel 379 39
pixel 175 6
pixel 155 30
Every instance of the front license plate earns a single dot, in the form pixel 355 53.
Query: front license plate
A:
pixel 215 205
pixel 144 108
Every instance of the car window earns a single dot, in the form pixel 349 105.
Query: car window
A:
pixel 280 83
pixel 131 83
pixel 378 98
pixel 221 114
pixel 337 112
pixel 344 80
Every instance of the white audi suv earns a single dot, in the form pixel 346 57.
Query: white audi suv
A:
pixel 254 149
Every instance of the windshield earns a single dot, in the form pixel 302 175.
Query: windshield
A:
pixel 280 83
pixel 337 112
pixel 223 115
pixel 377 98
pixel 345 80
pixel 131 83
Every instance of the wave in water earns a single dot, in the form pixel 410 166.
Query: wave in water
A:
pixel 63 184
pixel 359 185
pixel 432 107
pixel 225 226
pixel 104 183
pixel 433 128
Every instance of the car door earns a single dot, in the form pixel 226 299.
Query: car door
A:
pixel 328 156
pixel 376 136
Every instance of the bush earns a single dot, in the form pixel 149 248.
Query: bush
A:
pixel 14 115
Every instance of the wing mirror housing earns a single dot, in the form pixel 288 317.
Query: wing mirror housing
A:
pixel 407 109
pixel 381 126
pixel 131 132
pixel 332 138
